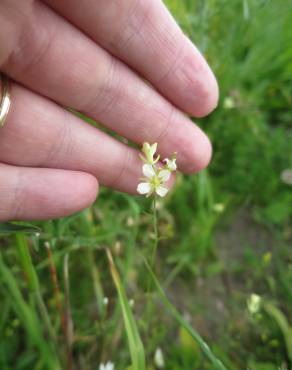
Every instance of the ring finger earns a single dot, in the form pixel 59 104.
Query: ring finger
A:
pixel 39 133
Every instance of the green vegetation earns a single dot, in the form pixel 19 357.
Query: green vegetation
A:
pixel 224 233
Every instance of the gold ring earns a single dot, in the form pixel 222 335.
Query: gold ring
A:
pixel 5 99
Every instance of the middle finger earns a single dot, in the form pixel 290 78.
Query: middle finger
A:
pixel 39 133
pixel 57 60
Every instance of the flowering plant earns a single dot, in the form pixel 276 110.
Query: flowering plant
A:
pixel 156 174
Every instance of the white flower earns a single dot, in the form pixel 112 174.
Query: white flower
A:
pixel 158 359
pixel 108 366
pixel 254 303
pixel 228 103
pixel 171 164
pixel 105 301
pixel 218 207
pixel 154 180
pixel 286 176
pixel 155 175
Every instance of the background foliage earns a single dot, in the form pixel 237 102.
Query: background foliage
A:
pixel 226 232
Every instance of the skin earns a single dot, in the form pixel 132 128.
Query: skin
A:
pixel 125 64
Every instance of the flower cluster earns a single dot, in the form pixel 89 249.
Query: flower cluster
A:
pixel 108 366
pixel 155 175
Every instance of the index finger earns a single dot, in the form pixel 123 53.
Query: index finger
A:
pixel 145 36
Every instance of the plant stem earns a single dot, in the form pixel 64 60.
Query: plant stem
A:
pixel 155 229
pixel 152 259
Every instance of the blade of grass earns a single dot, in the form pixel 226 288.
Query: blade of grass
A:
pixel 12 228
pixel 283 324
pixel 28 317
pixel 135 343
pixel 33 283
pixel 97 286
pixel 86 220
pixel 177 316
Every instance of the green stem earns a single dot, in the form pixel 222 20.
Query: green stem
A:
pixel 155 229
pixel 152 259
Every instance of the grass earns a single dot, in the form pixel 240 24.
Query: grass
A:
pixel 224 234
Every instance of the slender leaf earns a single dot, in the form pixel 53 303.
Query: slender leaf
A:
pixel 12 228
pixel 135 343
pixel 283 324
pixel 28 316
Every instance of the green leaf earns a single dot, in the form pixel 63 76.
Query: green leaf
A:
pixel 11 228
pixel 283 324
pixel 134 340
pixel 28 316
pixel 177 316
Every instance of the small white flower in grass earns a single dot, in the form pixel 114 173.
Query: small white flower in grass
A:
pixel 228 103
pixel 218 207
pixel 108 366
pixel 159 359
pixel 286 176
pixel 155 176
pixel 254 303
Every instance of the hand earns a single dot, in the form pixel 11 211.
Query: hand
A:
pixel 125 64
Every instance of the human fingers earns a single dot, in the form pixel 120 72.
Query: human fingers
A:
pixel 57 60
pixel 31 193
pixel 39 133
pixel 146 37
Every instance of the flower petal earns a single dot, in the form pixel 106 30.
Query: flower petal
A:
pixel 286 176
pixel 148 170
pixel 164 175
pixel 110 366
pixel 144 188
pixel 161 191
